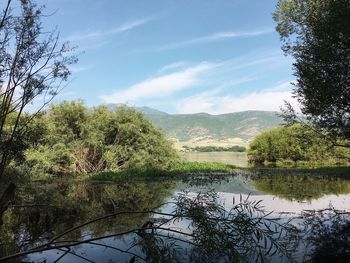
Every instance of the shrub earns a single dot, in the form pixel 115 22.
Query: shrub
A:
pixel 287 146
pixel 82 140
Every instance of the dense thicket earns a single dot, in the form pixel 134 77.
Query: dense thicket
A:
pixel 71 138
pixel 295 145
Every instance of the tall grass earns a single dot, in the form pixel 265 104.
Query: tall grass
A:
pixel 182 168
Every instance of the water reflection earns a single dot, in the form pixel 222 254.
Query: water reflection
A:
pixel 301 187
pixel 52 208
pixel 63 205
pixel 199 229
pixel 287 194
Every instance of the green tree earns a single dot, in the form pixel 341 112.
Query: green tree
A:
pixel 317 34
pixel 32 64
pixel 77 139
pixel 293 145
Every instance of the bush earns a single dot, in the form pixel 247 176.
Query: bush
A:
pixel 295 145
pixel 234 148
pixel 82 140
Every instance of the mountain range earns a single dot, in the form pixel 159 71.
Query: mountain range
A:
pixel 183 127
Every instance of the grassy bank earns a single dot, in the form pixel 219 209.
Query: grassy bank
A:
pixel 175 170
pixel 184 168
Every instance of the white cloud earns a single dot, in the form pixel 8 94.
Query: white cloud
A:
pixel 172 66
pixel 97 35
pixel 133 24
pixel 217 81
pixel 215 37
pixel 160 86
pixel 268 100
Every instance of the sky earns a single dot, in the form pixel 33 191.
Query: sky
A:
pixel 183 56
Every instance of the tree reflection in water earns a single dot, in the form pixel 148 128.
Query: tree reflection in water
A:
pixel 45 210
pixel 212 233
pixel 300 187
pixel 128 219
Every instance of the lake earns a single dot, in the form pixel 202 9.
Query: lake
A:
pixel 235 158
pixel 55 207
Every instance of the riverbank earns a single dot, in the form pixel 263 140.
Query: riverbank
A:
pixel 186 168
pixel 193 168
pixel 183 168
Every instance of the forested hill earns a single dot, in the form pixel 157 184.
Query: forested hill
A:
pixel 245 124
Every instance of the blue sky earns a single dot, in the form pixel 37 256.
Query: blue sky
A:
pixel 182 56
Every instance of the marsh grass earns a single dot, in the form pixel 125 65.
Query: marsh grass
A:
pixel 183 168
pixel 208 168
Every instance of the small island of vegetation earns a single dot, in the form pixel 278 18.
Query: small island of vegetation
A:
pixel 234 148
pixel 298 146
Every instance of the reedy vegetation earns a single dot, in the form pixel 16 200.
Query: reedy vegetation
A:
pixel 177 169
pixel 234 148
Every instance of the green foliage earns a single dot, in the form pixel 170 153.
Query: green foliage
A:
pixel 197 167
pixel 33 63
pixel 76 139
pixel 295 145
pixel 317 34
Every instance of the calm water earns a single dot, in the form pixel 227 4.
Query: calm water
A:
pixel 235 158
pixel 73 203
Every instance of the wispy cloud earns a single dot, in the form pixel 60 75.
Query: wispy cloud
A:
pixel 99 34
pixel 267 99
pixel 213 87
pixel 133 24
pixel 215 37
pixel 160 86
pixel 172 66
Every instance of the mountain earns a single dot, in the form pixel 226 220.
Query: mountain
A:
pixel 145 110
pixel 150 111
pixel 183 127
pixel 245 125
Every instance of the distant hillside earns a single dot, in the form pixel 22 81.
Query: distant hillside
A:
pixel 145 110
pixel 150 111
pixel 245 125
